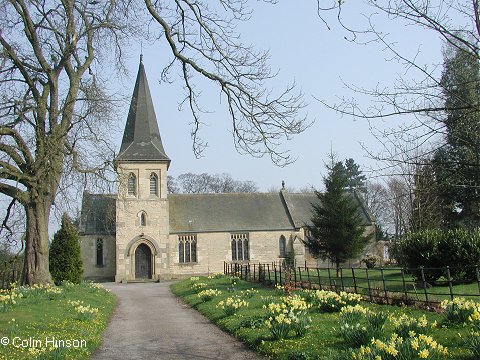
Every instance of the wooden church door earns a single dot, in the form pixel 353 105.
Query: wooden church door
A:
pixel 143 262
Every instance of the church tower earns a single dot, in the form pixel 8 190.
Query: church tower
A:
pixel 142 220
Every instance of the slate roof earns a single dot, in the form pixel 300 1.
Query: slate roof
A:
pixel 98 214
pixel 141 137
pixel 228 212
pixel 300 205
pixel 232 212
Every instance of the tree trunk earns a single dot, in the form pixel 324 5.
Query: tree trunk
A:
pixel 36 270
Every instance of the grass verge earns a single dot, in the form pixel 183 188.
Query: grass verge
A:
pixel 321 341
pixel 65 322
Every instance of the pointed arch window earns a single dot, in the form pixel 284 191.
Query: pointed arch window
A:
pixel 143 218
pixel 240 247
pixel 282 245
pixel 132 184
pixel 99 252
pixel 153 184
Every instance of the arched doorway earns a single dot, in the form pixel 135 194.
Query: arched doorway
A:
pixel 143 262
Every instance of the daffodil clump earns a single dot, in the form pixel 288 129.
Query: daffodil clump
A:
pixel 249 293
pixel 85 313
pixel 458 311
pixel 96 286
pixel 359 324
pixel 289 315
pixel 208 294
pixel 330 301
pixel 267 300
pixel 234 280
pixel 49 291
pixel 197 287
pixel 232 304
pixel 193 280
pixel 53 292
pixel 403 325
pixel 473 344
pixel 8 298
pixel 412 348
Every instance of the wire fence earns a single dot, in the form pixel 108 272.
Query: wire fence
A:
pixel 410 286
pixel 10 271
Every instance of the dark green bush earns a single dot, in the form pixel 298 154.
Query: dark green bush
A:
pixel 64 255
pixel 459 249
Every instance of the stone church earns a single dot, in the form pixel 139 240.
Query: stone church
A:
pixel 142 232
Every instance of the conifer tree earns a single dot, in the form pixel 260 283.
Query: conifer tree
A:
pixel 337 230
pixel 65 260
pixel 457 163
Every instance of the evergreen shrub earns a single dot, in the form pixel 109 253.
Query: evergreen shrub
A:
pixel 459 249
pixel 64 254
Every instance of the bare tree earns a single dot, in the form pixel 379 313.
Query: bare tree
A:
pixel 53 101
pixel 218 183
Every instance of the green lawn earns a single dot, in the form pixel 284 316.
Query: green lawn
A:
pixel 41 319
pixel 322 340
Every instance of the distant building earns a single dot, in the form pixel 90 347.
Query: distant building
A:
pixel 144 233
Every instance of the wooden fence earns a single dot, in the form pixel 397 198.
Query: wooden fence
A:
pixel 381 285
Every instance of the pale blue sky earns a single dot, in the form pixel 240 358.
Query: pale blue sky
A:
pixel 304 50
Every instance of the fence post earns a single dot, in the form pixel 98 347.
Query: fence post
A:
pixel 384 284
pixel 330 279
pixel 268 271
pixel 320 280
pixel 341 279
pixel 450 285
pixel 368 284
pixel 404 285
pixel 274 273
pixel 354 281
pixel 280 274
pixel 424 285
pixel 478 277
pixel 300 275
pixel 308 277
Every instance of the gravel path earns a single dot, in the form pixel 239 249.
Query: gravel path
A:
pixel 151 323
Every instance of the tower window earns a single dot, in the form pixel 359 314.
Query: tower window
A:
pixel 132 184
pixel 187 248
pixel 99 251
pixel 143 219
pixel 153 184
pixel 240 247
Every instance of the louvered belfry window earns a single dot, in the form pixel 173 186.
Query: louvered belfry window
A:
pixel 153 184
pixel 132 184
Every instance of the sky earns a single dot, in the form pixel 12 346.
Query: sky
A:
pixel 303 50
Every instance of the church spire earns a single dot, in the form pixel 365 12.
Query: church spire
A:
pixel 141 137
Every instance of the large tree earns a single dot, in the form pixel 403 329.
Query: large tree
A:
pixel 54 106
pixel 416 98
pixel 457 162
pixel 337 232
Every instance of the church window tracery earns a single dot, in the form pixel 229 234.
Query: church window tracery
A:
pixel 187 248
pixel 240 247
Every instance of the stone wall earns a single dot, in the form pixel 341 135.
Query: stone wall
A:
pixel 88 249
pixel 130 232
